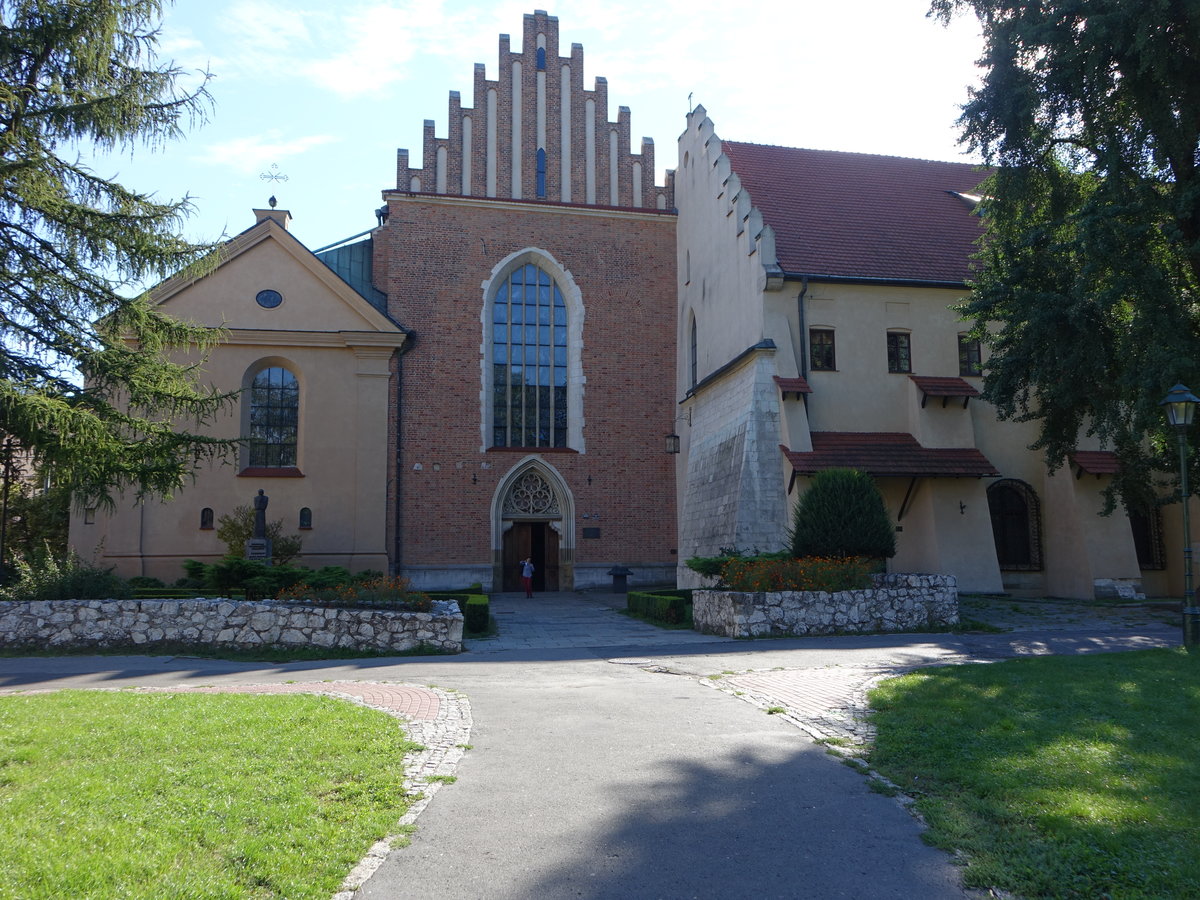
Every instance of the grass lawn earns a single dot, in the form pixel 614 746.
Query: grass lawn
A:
pixel 136 795
pixel 1055 776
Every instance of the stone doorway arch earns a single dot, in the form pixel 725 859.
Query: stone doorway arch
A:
pixel 533 514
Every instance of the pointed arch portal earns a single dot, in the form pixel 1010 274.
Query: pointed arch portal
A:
pixel 533 516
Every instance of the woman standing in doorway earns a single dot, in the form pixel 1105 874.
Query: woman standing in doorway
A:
pixel 527 576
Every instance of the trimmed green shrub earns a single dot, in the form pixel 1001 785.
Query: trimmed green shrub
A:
pixel 476 611
pixel 233 573
pixel 137 582
pixel 475 607
pixel 668 607
pixel 842 514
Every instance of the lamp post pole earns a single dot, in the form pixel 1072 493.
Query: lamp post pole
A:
pixel 1181 407
pixel 1191 615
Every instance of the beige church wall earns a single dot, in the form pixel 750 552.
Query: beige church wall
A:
pixel 861 395
pixel 342 449
pixel 226 296
pixel 941 537
pixel 342 452
pixel 720 272
pixel 1081 545
pixel 1169 582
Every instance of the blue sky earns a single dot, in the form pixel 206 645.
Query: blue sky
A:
pixel 327 90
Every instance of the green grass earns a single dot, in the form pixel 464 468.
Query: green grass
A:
pixel 132 795
pixel 1055 776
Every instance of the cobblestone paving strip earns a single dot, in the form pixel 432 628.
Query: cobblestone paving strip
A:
pixel 439 721
pixel 828 704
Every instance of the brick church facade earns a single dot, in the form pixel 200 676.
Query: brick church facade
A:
pixel 523 425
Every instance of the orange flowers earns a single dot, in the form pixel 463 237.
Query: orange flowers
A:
pixel 387 590
pixel 810 573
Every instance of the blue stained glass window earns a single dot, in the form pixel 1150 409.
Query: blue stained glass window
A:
pixel 529 361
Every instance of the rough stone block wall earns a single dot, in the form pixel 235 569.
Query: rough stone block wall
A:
pixel 896 603
pixel 226 623
pixel 734 496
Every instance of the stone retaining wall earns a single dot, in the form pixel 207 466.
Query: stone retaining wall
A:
pixel 896 603
pixel 226 623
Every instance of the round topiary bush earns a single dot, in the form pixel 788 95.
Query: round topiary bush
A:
pixel 842 514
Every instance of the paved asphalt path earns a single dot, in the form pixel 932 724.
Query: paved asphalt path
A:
pixel 614 770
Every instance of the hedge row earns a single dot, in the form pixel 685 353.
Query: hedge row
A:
pixel 673 607
pixel 475 608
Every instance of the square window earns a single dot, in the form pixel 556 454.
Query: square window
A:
pixel 899 351
pixel 820 350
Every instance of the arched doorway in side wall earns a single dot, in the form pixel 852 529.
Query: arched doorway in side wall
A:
pixel 532 515
pixel 1016 525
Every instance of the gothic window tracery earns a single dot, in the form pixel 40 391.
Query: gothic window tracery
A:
pixel 531 495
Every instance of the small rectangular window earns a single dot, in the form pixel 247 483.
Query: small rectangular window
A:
pixel 970 356
pixel 820 350
pixel 899 351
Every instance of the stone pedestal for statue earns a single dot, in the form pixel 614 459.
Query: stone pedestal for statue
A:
pixel 259 546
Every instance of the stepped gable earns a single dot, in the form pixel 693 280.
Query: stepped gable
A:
pixel 535 133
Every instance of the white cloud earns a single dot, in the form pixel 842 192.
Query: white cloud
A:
pixel 378 45
pixel 256 153
pixel 264 28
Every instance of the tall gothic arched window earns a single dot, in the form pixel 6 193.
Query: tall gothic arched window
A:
pixel 529 360
pixel 274 418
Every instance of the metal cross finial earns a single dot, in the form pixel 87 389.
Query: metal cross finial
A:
pixel 274 174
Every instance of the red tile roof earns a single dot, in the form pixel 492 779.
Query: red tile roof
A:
pixel 895 454
pixel 856 215
pixel 944 387
pixel 793 385
pixel 1096 462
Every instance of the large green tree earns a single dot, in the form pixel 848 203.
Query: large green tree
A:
pixel 1089 111
pixel 84 383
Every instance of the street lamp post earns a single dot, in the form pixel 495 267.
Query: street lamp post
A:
pixel 1181 404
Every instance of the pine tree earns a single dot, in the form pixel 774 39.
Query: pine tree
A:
pixel 85 385
pixel 842 514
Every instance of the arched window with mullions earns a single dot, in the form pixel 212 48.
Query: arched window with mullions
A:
pixel 530 359
pixel 274 418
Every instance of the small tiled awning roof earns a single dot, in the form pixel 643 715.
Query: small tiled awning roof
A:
pixel 1096 462
pixel 792 386
pixel 887 454
pixel 944 388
